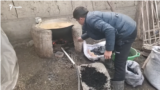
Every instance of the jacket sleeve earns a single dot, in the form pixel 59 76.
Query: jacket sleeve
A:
pixel 105 28
pixel 84 34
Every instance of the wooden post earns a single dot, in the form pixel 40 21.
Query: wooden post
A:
pixel 143 23
pixel 42 41
pixel 138 19
pixel 148 21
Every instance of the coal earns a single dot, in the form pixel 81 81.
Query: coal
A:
pixel 131 70
pixel 93 78
pixel 99 50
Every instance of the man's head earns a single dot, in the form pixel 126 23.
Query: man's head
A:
pixel 79 14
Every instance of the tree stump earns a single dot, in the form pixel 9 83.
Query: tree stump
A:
pixel 77 32
pixel 42 41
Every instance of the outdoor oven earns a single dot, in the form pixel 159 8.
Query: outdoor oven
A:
pixel 49 33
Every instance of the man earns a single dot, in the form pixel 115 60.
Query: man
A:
pixel 119 31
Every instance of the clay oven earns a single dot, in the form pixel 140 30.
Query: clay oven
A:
pixel 50 32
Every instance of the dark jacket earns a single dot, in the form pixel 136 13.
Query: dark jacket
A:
pixel 108 25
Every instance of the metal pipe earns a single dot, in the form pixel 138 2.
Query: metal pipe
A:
pixel 78 74
pixel 68 56
pixel 77 67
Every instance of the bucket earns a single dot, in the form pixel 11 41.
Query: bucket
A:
pixel 132 54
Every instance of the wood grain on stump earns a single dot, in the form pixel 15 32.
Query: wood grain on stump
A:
pixel 42 41
pixel 77 32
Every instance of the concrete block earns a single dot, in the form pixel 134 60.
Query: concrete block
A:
pixel 6 13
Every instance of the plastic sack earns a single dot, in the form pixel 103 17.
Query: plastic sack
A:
pixel 152 69
pixel 87 47
pixel 133 74
pixel 9 66
pixel 99 67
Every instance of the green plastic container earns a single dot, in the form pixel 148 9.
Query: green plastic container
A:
pixel 132 54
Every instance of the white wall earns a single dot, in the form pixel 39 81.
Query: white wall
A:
pixel 17 22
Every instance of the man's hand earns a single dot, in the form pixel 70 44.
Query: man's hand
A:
pixel 107 54
pixel 80 39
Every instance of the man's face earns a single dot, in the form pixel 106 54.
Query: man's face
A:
pixel 81 20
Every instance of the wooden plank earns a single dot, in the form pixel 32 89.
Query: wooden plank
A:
pixel 150 39
pixel 156 13
pixel 152 7
pixel 158 20
pixel 152 17
pixel 138 18
pixel 153 29
pixel 146 61
pixel 148 21
pixel 152 14
pixel 144 35
pixel 145 21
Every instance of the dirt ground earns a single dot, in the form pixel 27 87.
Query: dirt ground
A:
pixel 57 73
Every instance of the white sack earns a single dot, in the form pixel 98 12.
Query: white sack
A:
pixel 9 66
pixel 152 69
pixel 130 77
pixel 87 47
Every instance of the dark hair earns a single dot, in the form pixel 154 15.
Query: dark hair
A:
pixel 80 12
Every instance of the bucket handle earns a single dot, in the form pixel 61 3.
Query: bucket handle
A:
pixel 138 54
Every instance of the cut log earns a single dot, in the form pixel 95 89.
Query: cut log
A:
pixel 42 41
